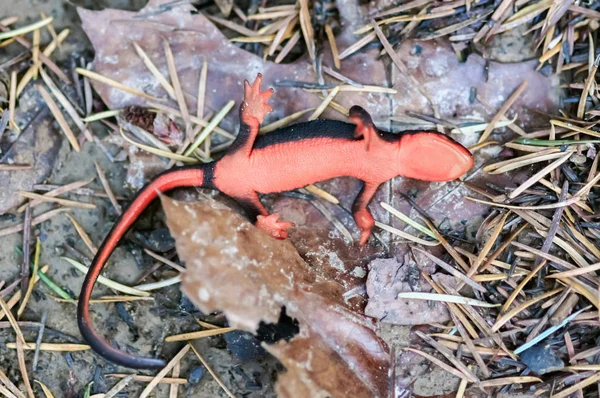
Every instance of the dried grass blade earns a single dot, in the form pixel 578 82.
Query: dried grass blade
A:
pixel 288 47
pixel 537 176
pixel 446 298
pixel 577 387
pixel 56 192
pixel 47 52
pixel 146 392
pixel 59 118
pixel 406 18
pixel 321 108
pixel 510 314
pixel 405 235
pixel 45 389
pixel 154 70
pixel 143 378
pixel 475 128
pixel 13 322
pixel 35 221
pixel 176 85
pixel 36 264
pixel 54 347
pixel 503 381
pixel 10 385
pixel 113 83
pixel 212 373
pixel 488 246
pixel 198 335
pixel 333 220
pixel 25 29
pixel 23 367
pixel 512 164
pixel 449 248
pixel 164 260
pixel 67 106
pixel 284 122
pixel 404 218
pixel 334 49
pixel 159 152
pixel 575 272
pixel 363 41
pixel 449 356
pixel 64 202
pixel 471 345
pixel 588 85
pixel 5 392
pixel 107 189
pixel 288 24
pixel 556 205
pixel 209 127
pixel 107 282
pixel 174 388
pixel 521 285
pixel 503 109
pixel 307 30
pixel 453 271
pixel 84 236
pixel 439 363
pixel 315 190
pixel 118 387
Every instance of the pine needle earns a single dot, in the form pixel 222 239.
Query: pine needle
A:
pixel 198 335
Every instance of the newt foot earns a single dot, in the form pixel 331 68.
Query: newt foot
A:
pixel 255 105
pixel 272 226
pixel 365 222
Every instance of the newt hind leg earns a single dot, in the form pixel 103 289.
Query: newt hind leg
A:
pixel 362 216
pixel 268 223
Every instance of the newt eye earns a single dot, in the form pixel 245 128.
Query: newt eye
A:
pixel 433 157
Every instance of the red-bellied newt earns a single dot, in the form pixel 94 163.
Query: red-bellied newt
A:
pixel 286 159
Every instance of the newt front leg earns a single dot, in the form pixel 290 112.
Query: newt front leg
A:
pixel 253 110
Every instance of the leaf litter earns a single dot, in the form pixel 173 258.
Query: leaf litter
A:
pixel 508 242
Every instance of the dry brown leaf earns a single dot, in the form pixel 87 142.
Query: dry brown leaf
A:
pixel 252 277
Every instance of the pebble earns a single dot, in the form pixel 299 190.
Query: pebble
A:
pixel 542 359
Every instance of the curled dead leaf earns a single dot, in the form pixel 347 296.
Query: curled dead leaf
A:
pixel 263 286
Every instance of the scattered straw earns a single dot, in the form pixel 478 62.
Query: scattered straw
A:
pixel 198 335
pixel 446 298
pixel 107 189
pixel 105 80
pixel 148 390
pixel 59 118
pixel 212 373
pixel 55 347
pixel 25 29
pixel 107 282
pixel 60 201
pixel 35 221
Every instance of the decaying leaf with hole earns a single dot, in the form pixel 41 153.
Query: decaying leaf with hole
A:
pixel 263 286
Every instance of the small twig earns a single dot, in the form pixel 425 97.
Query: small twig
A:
pixel 38 341
pixel 26 249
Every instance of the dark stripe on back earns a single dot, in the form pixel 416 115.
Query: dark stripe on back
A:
pixel 308 130
pixel 322 128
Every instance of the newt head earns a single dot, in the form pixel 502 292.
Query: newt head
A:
pixel 432 156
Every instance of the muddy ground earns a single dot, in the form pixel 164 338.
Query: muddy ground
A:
pixel 141 326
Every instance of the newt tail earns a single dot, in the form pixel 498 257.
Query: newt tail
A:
pixel 286 159
pixel 189 176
